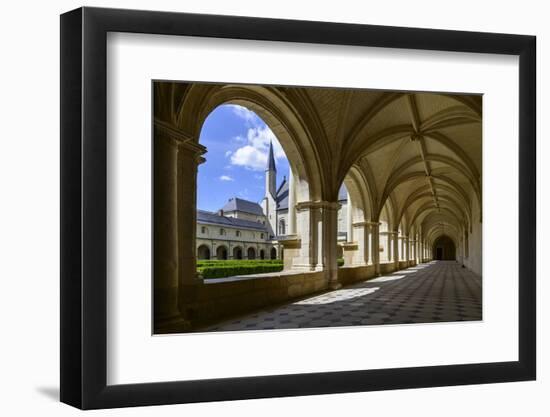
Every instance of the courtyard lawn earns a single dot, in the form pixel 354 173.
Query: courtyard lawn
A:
pixel 220 269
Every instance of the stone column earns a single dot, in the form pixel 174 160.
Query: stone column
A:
pixel 395 252
pixel 176 158
pixel 367 238
pixel 318 247
pixel 165 239
pixel 390 246
pixel 362 233
pixel 407 248
pixel 359 234
pixel 291 203
pixel 375 247
pixel 349 220
pixel 329 212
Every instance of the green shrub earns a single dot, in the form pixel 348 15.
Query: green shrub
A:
pixel 340 262
pixel 236 262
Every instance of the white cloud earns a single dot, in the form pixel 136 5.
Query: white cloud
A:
pixel 253 149
pixel 226 178
pixel 249 157
pixel 248 115
pixel 254 154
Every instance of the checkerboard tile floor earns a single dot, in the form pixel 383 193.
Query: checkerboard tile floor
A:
pixel 439 291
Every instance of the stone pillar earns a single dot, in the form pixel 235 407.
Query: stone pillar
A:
pixel 395 252
pixel 318 247
pixel 349 221
pixel 291 203
pixel 329 213
pixel 176 158
pixel 362 233
pixel 389 246
pixel 359 253
pixel 367 238
pixel 375 247
pixel 165 239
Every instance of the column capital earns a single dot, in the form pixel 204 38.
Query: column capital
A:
pixel 361 224
pixel 179 139
pixel 317 204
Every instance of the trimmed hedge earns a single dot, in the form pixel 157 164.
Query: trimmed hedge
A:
pixel 233 262
pixel 227 268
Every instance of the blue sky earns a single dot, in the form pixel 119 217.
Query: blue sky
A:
pixel 237 141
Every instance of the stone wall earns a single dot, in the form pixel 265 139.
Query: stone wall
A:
pixel 350 274
pixel 387 267
pixel 225 297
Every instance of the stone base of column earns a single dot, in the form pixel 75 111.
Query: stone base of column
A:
pixel 172 324
pixel 334 285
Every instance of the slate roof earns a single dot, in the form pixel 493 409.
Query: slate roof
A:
pixel 238 204
pixel 207 217
pixel 282 195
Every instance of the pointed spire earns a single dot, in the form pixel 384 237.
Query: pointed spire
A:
pixel 271 158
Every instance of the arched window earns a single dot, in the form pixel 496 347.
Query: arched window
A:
pixel 222 232
pixel 238 233
pixel 282 229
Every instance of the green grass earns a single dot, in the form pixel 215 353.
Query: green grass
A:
pixel 227 268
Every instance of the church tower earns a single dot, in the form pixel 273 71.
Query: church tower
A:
pixel 269 203
pixel 270 173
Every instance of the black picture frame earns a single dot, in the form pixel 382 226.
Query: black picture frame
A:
pixel 84 207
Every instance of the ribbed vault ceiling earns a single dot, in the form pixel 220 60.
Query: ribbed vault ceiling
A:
pixel 413 160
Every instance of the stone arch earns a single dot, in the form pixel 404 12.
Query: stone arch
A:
pixel 273 253
pixel 203 252
pixel 444 248
pixel 262 254
pixel 221 252
pixel 282 117
pixel 251 253
pixel 237 252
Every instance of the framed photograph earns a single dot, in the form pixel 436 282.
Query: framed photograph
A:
pixel 259 208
